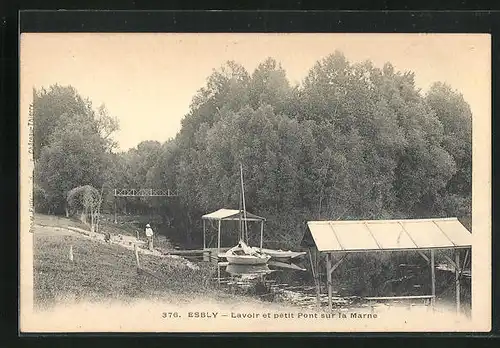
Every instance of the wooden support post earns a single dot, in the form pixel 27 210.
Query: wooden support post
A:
pixel 204 243
pixel 465 261
pixel 329 279
pixel 457 280
pixel 218 240
pixel 218 271
pixel 115 206
pixel 261 234
pixel 315 277
pixel 317 260
pixel 137 256
pixel 433 280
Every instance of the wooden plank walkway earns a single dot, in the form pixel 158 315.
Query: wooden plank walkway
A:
pixel 196 252
pixel 389 298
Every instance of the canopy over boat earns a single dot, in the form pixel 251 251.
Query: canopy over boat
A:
pixel 232 215
pixel 222 215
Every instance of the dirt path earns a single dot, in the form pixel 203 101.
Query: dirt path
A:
pixel 125 241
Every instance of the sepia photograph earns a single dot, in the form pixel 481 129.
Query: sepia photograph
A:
pixel 217 182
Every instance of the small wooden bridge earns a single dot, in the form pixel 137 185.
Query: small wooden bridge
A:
pixel 142 193
pixel 145 193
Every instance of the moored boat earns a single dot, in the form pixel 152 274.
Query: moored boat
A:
pixel 242 254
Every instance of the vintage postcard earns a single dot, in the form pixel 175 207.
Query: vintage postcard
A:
pixel 255 182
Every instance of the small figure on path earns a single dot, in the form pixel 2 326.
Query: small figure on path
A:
pixel 149 235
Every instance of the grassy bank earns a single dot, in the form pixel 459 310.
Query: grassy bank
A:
pixel 103 272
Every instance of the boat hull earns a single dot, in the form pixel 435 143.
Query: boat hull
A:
pixel 280 254
pixel 247 260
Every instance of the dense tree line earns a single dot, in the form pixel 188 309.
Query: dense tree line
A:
pixel 352 141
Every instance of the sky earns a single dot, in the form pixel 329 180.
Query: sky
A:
pixel 147 81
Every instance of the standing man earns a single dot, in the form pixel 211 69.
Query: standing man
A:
pixel 149 235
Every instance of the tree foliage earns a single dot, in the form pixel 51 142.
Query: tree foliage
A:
pixel 352 141
pixel 50 105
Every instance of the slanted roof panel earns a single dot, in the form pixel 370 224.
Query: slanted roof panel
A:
pixel 427 234
pixel 323 236
pixel 390 235
pixel 354 236
pixel 455 231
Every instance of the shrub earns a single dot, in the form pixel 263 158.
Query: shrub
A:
pixel 40 200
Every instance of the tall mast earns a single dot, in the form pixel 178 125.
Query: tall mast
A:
pixel 240 222
pixel 244 207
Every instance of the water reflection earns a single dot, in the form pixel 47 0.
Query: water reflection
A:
pixel 293 283
pixel 275 281
pixel 247 271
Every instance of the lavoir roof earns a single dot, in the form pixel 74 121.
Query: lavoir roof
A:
pixel 372 235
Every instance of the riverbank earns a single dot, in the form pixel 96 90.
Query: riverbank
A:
pixel 99 272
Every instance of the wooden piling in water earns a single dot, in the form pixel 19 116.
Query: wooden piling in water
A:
pixel 329 279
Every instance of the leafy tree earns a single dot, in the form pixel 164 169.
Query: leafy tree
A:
pixel 49 107
pixel 269 86
pixel 106 125
pixel 456 117
pixel 74 157
pixel 226 87
pixel 73 144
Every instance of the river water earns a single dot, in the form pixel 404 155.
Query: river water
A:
pixel 275 282
pixel 294 284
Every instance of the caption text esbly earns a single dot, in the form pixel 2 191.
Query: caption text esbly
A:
pixel 268 315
